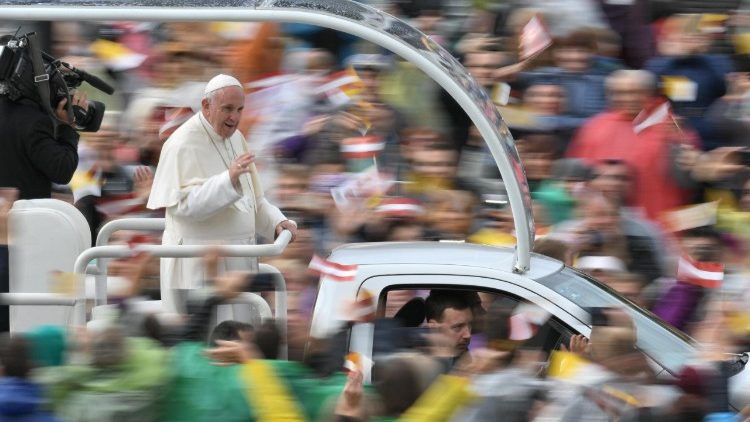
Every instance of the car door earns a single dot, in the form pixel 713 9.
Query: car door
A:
pixel 362 335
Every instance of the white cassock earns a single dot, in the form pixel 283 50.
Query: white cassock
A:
pixel 203 207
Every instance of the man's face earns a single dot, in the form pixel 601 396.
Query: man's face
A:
pixel 436 163
pixel 628 288
pixel 224 110
pixel 702 248
pixel 371 81
pixel 545 99
pixel 601 216
pixel 457 325
pixel 104 142
pixel 628 96
pixel 537 156
pixel 451 219
pixel 613 181
pixel 290 191
pixel 481 66
pixel 573 59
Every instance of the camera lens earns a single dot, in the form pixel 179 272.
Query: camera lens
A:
pixel 89 120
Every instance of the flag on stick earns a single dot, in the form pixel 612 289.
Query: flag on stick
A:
pixel 704 274
pixel 360 147
pixel 173 119
pixel 334 270
pixel 400 207
pixel 534 38
pixel 658 113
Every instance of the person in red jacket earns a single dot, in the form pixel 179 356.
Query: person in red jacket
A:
pixel 640 130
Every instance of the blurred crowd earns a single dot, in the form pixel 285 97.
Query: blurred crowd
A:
pixel 631 127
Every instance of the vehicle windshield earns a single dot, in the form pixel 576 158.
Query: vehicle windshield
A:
pixel 664 344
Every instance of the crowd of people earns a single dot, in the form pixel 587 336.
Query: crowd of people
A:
pixel 631 128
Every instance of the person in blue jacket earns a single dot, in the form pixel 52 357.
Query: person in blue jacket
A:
pixel 691 78
pixel 20 399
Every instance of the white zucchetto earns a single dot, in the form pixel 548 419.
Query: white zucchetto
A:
pixel 220 81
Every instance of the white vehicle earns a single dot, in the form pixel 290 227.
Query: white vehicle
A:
pixel 516 273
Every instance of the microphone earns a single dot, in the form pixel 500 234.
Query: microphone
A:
pixel 87 77
pixel 95 82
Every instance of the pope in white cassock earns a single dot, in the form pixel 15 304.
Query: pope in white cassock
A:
pixel 208 184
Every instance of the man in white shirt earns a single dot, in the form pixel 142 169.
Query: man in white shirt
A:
pixel 207 181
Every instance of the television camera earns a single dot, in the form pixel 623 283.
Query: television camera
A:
pixel 27 72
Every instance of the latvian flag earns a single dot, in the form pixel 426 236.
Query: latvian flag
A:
pixel 118 205
pixel 526 321
pixel 342 87
pixel 400 208
pixel 362 147
pixel 174 118
pixel 334 270
pixel 657 113
pixel 704 274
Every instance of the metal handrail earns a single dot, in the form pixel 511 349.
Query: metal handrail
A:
pixel 102 239
pixel 182 251
pixel 49 299
pixel 179 251
pixel 142 224
pixel 254 300
pixel 43 299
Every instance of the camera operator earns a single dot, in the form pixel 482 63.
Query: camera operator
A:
pixel 36 150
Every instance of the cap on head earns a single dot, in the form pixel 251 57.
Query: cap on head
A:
pixel 220 81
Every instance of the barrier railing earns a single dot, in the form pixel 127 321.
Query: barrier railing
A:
pixel 103 252
pixel 77 316
pixel 103 238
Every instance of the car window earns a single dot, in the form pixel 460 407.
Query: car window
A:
pixel 546 332
pixel 664 344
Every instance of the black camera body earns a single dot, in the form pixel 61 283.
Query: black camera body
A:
pixel 59 78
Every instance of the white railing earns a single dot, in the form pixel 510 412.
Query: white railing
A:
pixel 77 303
pixel 103 252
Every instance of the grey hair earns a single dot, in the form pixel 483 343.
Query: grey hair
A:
pixel 210 96
pixel 646 79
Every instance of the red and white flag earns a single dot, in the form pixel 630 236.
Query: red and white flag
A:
pixel 174 118
pixel 534 38
pixel 704 274
pixel 334 270
pixel 526 320
pixel 361 147
pixel 400 208
pixel 118 205
pixel 658 113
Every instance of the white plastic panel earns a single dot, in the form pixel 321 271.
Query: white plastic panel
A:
pixel 45 235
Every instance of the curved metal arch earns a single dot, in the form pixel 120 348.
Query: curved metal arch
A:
pixel 345 16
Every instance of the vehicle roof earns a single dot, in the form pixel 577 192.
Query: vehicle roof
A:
pixel 441 253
